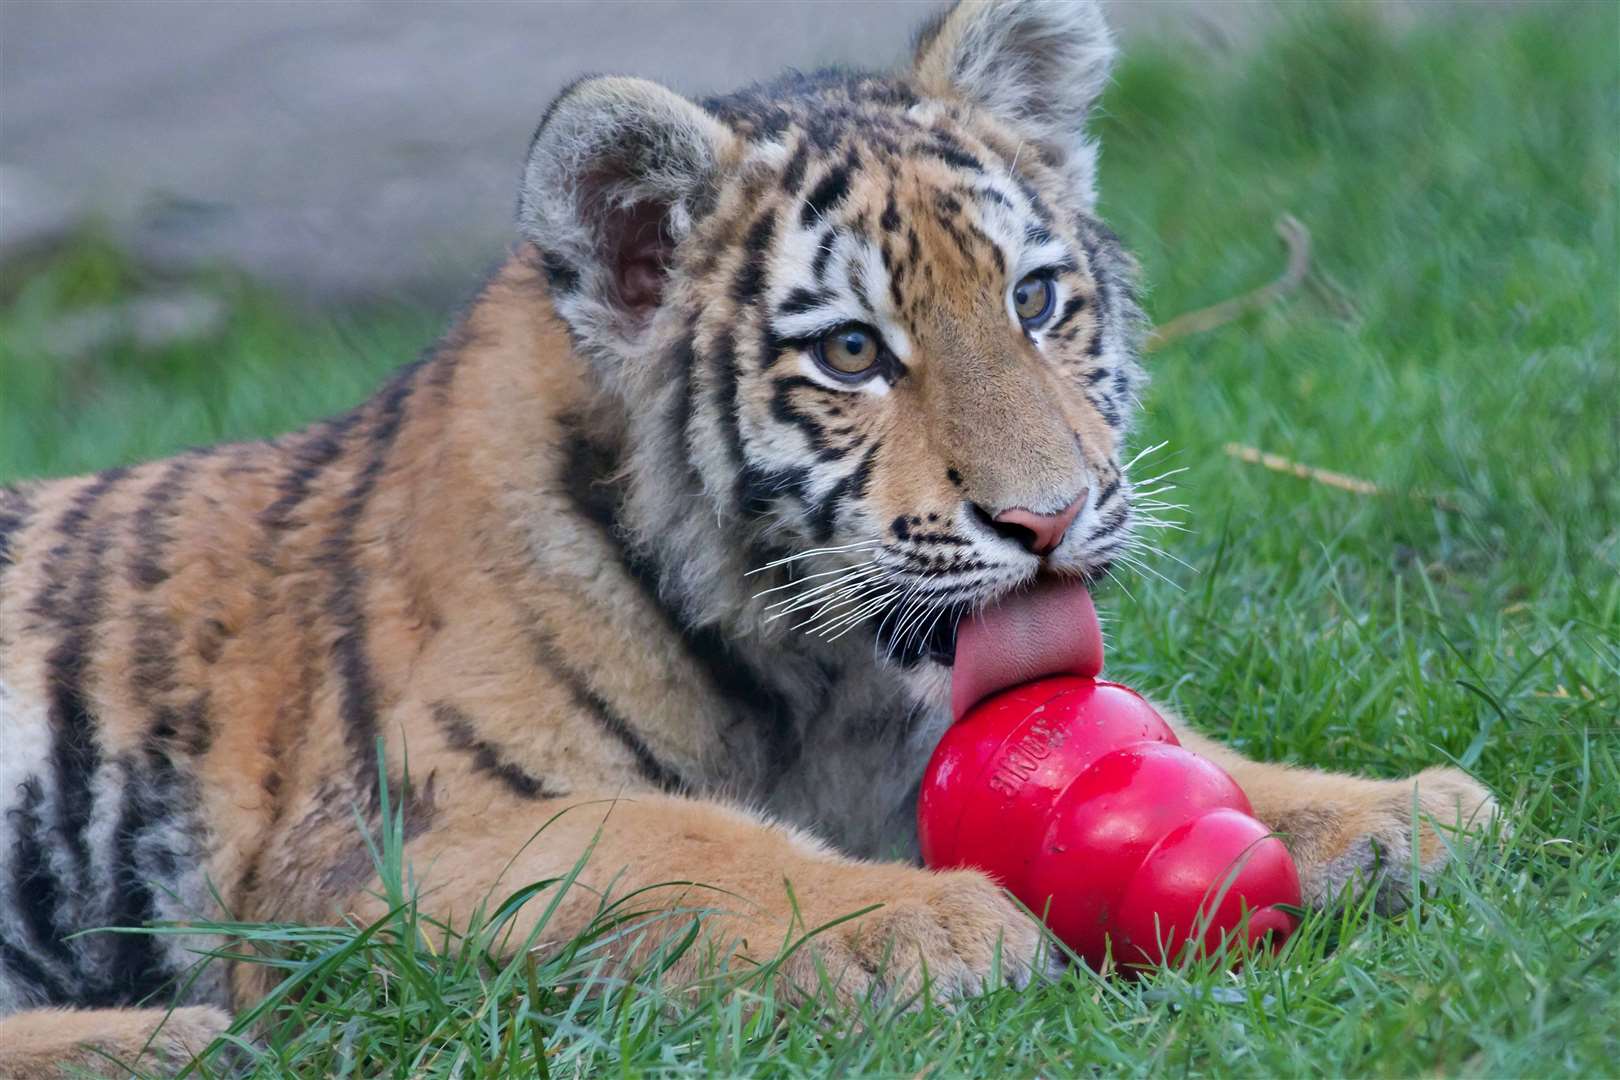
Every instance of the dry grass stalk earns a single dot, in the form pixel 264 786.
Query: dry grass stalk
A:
pixel 1298 239
pixel 1343 481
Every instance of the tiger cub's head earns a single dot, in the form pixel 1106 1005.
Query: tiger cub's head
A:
pixel 872 314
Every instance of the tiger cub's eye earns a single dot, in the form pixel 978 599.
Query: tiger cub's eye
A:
pixel 1032 299
pixel 850 351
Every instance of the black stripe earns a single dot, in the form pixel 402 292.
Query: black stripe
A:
pixel 1109 523
pixel 750 280
pixel 1102 243
pixel 84 504
pixel 315 449
pixel 824 254
pixel 75 754
pixel 587 467
pixel 136 970
pixel 958 238
pixel 50 603
pixel 357 693
pixel 793 175
pixel 35 887
pixel 723 360
pixel 1072 307
pixel 947 148
pixel 1099 273
pixel 15 511
pixel 852 485
pixel 995 248
pixel 1108 492
pixel 193 725
pixel 828 193
pixel 756 488
pixel 153 682
pixel 443 357
pixel 986 195
pixel 857 285
pixel 801 300
pixel 1122 381
pixel 74 603
pixel 685 361
pixel 1037 205
pixel 153 655
pixel 942 538
pixel 783 410
pixel 157 510
pixel 1107 408
pixel 589 701
pixel 210 640
pixel 46 988
pixel 461 734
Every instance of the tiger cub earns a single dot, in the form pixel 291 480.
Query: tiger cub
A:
pixel 854 342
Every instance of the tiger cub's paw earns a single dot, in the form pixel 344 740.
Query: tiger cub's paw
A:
pixel 951 934
pixel 1365 842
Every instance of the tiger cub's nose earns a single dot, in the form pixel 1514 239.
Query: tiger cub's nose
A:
pixel 1039 534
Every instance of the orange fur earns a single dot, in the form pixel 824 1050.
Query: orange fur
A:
pixel 50 1043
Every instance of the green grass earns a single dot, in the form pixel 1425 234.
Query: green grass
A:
pixel 1457 345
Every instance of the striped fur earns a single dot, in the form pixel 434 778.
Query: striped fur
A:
pixel 540 562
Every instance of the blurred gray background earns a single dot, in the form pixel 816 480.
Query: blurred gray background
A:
pixel 349 150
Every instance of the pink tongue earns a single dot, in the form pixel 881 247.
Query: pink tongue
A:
pixel 1049 629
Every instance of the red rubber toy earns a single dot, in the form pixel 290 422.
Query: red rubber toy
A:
pixel 1075 795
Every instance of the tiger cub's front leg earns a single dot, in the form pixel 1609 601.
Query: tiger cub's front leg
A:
pixel 1349 832
pixel 762 885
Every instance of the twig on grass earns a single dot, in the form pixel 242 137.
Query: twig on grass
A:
pixel 1278 463
pixel 1298 239
pixel 1343 481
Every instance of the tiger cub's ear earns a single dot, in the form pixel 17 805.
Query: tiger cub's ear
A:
pixel 1040 65
pixel 617 171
